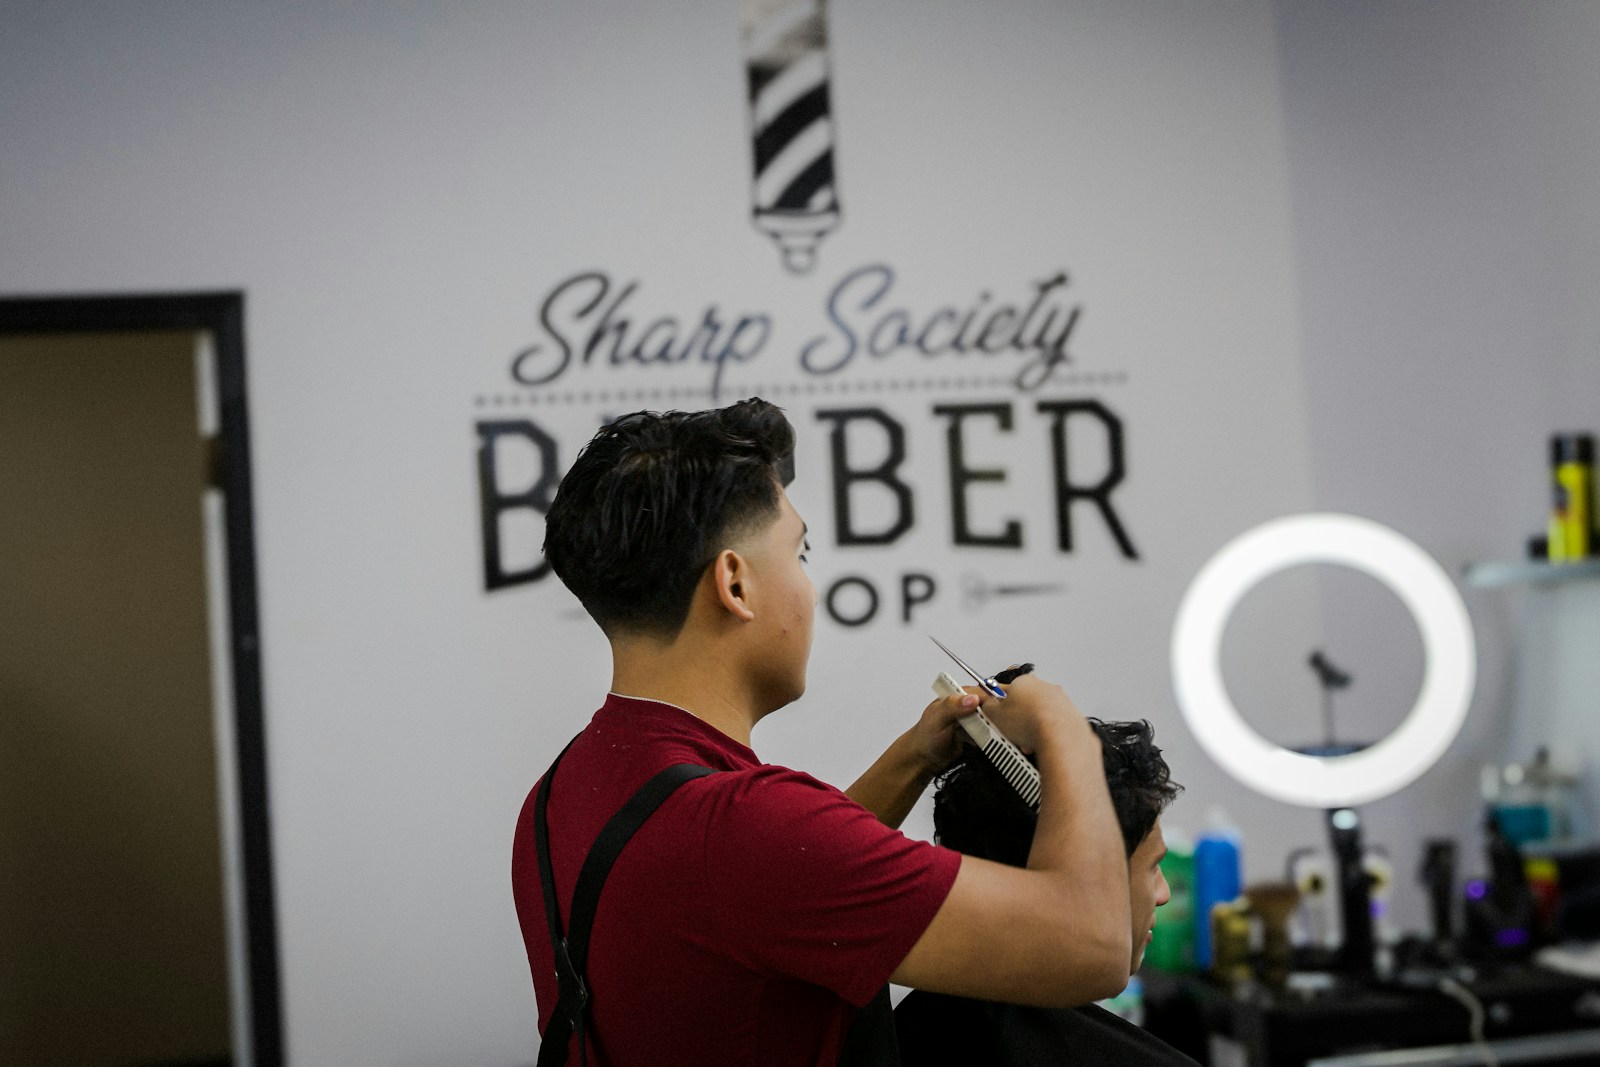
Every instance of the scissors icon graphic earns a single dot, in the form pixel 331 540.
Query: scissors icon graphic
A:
pixel 976 591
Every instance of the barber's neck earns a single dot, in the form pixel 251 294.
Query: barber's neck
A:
pixel 693 673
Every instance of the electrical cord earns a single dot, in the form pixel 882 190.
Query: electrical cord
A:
pixel 1456 991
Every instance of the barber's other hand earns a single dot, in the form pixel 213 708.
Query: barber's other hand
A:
pixel 1033 709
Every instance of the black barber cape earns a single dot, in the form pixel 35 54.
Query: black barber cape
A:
pixel 942 1031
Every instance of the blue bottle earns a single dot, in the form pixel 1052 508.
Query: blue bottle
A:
pixel 1216 878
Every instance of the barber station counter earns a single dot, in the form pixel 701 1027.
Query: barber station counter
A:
pixel 1530 1015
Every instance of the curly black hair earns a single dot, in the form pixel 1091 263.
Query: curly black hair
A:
pixel 976 811
pixel 653 498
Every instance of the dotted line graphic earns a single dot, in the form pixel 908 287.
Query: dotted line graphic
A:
pixel 823 388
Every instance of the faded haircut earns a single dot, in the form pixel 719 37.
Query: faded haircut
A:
pixel 653 498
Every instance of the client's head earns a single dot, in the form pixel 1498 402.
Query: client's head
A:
pixel 975 811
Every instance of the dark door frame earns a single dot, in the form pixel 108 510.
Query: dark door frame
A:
pixel 220 314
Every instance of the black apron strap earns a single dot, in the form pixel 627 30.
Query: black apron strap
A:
pixel 569 987
pixel 871 1040
pixel 603 853
pixel 572 950
pixel 547 880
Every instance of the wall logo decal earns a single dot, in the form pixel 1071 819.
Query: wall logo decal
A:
pixel 995 363
pixel 965 448
pixel 993 369
pixel 795 195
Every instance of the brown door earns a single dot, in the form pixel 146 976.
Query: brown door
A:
pixel 113 946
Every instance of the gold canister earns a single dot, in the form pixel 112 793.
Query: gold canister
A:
pixel 1230 942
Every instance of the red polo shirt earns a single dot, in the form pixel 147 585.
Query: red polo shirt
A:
pixel 746 920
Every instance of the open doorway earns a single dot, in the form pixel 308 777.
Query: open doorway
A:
pixel 137 922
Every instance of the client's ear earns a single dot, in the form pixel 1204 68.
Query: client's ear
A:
pixel 730 576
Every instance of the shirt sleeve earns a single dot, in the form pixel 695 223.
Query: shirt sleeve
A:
pixel 808 884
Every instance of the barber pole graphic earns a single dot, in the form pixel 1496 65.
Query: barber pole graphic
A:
pixel 796 201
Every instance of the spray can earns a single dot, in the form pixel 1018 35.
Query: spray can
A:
pixel 1572 484
pixel 1217 877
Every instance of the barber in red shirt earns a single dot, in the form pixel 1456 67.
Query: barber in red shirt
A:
pixel 752 917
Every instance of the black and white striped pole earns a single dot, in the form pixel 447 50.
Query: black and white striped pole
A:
pixel 795 196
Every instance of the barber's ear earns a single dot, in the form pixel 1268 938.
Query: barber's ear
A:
pixel 730 577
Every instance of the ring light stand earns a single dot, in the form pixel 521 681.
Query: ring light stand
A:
pixel 1335 782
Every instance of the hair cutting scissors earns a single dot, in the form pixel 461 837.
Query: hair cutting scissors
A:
pixel 1006 757
pixel 988 685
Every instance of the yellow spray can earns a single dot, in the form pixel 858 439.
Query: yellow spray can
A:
pixel 1572 517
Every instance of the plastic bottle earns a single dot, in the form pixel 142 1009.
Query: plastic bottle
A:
pixel 1172 940
pixel 1217 877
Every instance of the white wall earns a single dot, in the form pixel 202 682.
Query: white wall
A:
pixel 1444 167
pixel 396 190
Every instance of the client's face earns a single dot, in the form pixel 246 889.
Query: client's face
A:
pixel 1147 889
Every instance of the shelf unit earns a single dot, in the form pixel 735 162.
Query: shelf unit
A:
pixel 1529 572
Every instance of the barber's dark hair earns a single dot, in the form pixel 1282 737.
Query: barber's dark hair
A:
pixel 653 498
pixel 976 811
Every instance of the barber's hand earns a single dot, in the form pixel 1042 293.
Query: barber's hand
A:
pixel 1033 708
pixel 936 738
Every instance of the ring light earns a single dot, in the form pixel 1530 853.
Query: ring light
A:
pixel 1448 671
